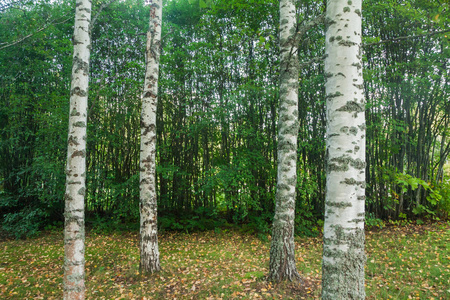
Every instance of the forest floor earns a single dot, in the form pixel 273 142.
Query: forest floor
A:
pixel 407 262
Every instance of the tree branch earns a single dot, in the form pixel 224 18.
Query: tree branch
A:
pixel 5 6
pixel 31 34
pixel 317 59
pixel 402 38
pixel 102 7
pixel 306 27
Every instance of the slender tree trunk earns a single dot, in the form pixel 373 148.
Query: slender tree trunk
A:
pixel 343 254
pixel 442 159
pixel 76 156
pixel 149 262
pixel 282 257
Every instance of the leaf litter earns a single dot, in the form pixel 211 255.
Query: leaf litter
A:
pixel 409 262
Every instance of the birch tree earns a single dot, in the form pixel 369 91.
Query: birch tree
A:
pixel 149 250
pixel 343 254
pixel 282 257
pixel 76 156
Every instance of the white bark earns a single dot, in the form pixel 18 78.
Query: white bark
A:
pixel 343 256
pixel 74 273
pixel 282 249
pixel 149 250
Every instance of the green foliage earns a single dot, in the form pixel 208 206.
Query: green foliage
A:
pixel 109 223
pixel 443 205
pixel 203 219
pixel 372 222
pixel 23 223
pixel 261 226
pixel 401 111
pixel 406 181
pixel 306 224
pixel 33 115
pixel 217 114
pixel 407 188
pixel 194 224
pixel 185 12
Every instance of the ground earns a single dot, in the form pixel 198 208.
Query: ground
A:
pixel 404 262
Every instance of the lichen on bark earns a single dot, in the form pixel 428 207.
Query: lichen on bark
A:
pixel 343 254
pixel 74 273
pixel 149 249
pixel 282 250
pixel 343 269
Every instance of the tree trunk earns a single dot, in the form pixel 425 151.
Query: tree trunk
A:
pixel 76 156
pixel 149 261
pixel 282 257
pixel 343 254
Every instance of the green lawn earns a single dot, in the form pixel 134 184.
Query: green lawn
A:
pixel 411 262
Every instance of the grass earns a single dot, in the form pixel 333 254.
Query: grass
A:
pixel 410 262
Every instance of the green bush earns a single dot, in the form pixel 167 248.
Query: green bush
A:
pixel 434 197
pixel 259 226
pixel 443 205
pixel 372 222
pixel 24 223
pixel 306 224
pixel 202 219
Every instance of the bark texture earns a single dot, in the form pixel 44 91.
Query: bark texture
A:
pixel 74 273
pixel 282 249
pixel 149 261
pixel 343 254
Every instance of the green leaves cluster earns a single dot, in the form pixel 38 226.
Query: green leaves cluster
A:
pixel 33 112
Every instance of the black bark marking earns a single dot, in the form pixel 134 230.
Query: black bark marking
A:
pixel 81 153
pixel 79 124
pixel 79 92
pixel 352 106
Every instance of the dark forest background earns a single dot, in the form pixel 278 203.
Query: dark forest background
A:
pixel 217 114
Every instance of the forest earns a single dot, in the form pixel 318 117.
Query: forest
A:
pixel 217 117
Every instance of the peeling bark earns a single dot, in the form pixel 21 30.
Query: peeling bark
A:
pixel 282 249
pixel 343 254
pixel 149 251
pixel 74 273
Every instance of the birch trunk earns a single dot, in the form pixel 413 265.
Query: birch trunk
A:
pixel 282 257
pixel 343 254
pixel 74 287
pixel 149 262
